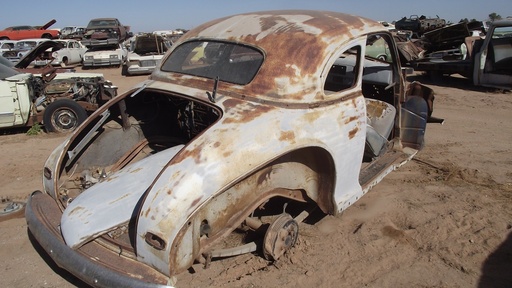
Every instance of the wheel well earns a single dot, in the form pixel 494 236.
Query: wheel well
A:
pixel 302 176
pixel 320 163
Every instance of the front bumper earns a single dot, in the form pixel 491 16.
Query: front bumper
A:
pixel 101 62
pixel 100 42
pixel 108 269
pixel 138 70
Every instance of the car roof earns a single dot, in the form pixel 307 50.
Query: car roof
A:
pixel 34 39
pixel 297 45
pixel 95 19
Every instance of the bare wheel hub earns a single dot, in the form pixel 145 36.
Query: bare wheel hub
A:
pixel 65 119
pixel 280 237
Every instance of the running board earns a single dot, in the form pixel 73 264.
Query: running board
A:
pixel 385 164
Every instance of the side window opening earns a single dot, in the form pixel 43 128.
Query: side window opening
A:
pixel 344 71
pixel 379 80
pixel 378 88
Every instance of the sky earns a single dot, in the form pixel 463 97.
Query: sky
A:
pixel 151 15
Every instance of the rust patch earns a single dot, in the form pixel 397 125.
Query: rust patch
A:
pixel 350 119
pixel 238 111
pixel 216 144
pixel 312 117
pixel 194 203
pixel 352 133
pixel 375 108
pixel 184 154
pixel 287 136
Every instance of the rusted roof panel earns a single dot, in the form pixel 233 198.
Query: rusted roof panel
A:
pixel 296 44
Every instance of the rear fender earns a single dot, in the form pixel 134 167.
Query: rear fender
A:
pixel 297 176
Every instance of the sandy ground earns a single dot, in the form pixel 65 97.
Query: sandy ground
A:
pixel 442 220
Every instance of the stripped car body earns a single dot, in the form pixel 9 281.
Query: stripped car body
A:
pixel 485 59
pixel 144 53
pixel 245 112
pixel 21 48
pixel 59 98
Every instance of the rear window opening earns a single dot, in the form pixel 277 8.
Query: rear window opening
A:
pixel 231 62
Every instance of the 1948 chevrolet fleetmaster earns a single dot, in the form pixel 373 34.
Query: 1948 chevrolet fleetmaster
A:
pixel 249 123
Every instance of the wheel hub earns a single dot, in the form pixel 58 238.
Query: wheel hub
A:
pixel 65 119
pixel 280 237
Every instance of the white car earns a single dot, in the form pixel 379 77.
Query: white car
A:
pixel 21 48
pixel 72 52
pixel 215 156
pixel 113 55
pixel 68 31
pixel 60 103
pixel 7 45
pixel 144 53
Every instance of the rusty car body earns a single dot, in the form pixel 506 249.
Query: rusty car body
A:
pixel 105 32
pixel 419 25
pixel 27 32
pixel 249 124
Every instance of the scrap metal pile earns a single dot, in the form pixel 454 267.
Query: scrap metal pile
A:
pixel 475 50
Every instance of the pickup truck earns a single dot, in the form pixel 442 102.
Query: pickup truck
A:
pixel 486 60
pixel 105 32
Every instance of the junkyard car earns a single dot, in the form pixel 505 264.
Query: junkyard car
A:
pixel 144 52
pixel 486 59
pixel 76 33
pixel 112 55
pixel 7 45
pixel 61 101
pixel 282 113
pixel 70 52
pixel 27 32
pixel 69 30
pixel 104 32
pixel 21 48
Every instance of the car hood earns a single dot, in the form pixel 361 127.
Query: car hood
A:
pixel 90 214
pixel 102 53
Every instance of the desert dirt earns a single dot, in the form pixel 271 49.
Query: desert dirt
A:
pixel 442 220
